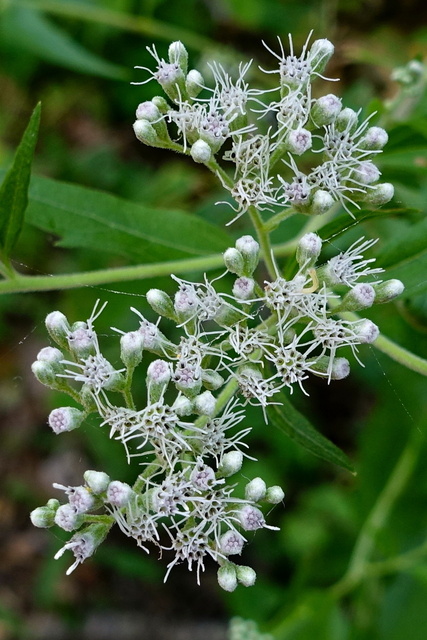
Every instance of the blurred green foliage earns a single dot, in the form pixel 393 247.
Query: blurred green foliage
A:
pixel 77 58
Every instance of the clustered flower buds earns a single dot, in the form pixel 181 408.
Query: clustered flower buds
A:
pixel 187 438
pixel 340 145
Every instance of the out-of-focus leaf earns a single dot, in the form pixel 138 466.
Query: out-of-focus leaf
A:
pixel 26 29
pixel 286 418
pixel 403 613
pixel 134 564
pixel 14 188
pixel 317 616
pixel 83 217
pixel 406 258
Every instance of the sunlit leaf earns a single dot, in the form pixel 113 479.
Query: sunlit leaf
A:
pixel 95 220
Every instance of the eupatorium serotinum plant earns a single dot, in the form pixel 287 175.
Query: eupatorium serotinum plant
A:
pixel 292 153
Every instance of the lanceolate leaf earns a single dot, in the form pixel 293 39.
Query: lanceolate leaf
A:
pixel 344 223
pixel 286 418
pixel 405 258
pixel 95 220
pixel 26 29
pixel 14 188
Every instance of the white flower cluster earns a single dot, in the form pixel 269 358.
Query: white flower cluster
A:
pixel 187 437
pixel 336 143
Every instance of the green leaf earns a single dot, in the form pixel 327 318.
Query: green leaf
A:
pixel 14 188
pixel 91 219
pixel 406 258
pixel 316 616
pixel 286 418
pixel 27 30
pixel 344 223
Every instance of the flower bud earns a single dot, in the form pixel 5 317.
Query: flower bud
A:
pixel 227 577
pixel 182 406
pixel 249 248
pixel 202 477
pixel 119 493
pixel 346 120
pixel 43 517
pixel 251 518
pixel 321 203
pixel 146 133
pixel 152 338
pixel 178 54
pixel 298 141
pixel 194 83
pixel 204 404
pixel 158 377
pixel 339 370
pixel 255 490
pixel 58 328
pixel 320 54
pixel 84 544
pixel 81 500
pixel 231 543
pixel 161 303
pixel 97 481
pixel 325 110
pixel 44 373
pixel 233 260
pixel 131 349
pixel 201 152
pixel 244 288
pixel 211 379
pixel 81 340
pixel 67 518
pixel 361 296
pixel 274 495
pixel 374 139
pixel 366 331
pixel 308 250
pixel 53 358
pixel 65 419
pixel 366 173
pixel 188 378
pixel 246 576
pixel 388 290
pixel 161 104
pixel 379 195
pixel 186 303
pixel 148 111
pixel 230 464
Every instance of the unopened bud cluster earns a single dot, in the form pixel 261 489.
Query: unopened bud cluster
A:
pixel 267 131
pixel 187 440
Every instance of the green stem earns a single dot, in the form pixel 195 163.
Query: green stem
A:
pixel 6 268
pixel 127 22
pixel 275 220
pixel 102 276
pixel 401 562
pixel 147 473
pixel 127 391
pixel 401 355
pixel 264 241
pixel 393 350
pixel 365 543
